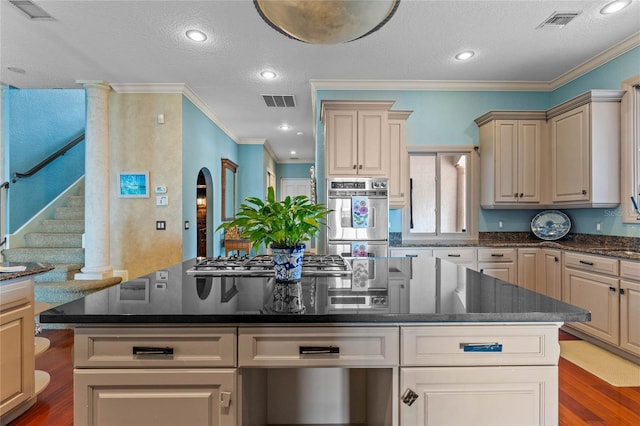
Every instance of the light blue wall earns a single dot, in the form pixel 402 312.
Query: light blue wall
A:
pixel 38 123
pixel 204 144
pixel 447 118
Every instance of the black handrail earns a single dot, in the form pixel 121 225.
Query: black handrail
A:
pixel 49 159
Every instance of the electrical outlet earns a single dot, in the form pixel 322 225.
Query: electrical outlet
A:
pixel 500 224
pixel 161 225
pixel 161 286
pixel 598 227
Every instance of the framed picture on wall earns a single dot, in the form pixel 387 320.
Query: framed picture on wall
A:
pixel 133 185
pixel 135 291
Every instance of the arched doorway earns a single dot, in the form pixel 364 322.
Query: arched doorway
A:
pixel 204 214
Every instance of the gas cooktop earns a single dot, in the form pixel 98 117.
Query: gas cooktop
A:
pixel 313 265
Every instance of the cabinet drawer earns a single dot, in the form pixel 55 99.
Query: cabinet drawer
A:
pixel 630 270
pixel 16 294
pixel 445 345
pixel 139 347
pixel 497 255
pixel 457 255
pixel 318 346
pixel 604 265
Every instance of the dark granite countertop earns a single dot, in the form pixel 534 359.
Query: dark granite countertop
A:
pixel 30 269
pixel 619 247
pixel 445 292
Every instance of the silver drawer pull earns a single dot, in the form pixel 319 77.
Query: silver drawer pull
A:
pixel 149 350
pixel 319 350
pixel 481 347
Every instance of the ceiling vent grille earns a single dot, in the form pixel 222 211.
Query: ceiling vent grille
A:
pixel 279 101
pixel 32 10
pixel 558 19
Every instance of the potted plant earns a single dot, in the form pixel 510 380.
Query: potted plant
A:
pixel 283 226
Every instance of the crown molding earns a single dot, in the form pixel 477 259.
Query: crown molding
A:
pixel 175 88
pixel 613 52
pixel 260 141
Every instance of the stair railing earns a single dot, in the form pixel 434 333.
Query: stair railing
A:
pixel 48 160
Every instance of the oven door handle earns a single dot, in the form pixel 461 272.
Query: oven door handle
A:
pixel 319 350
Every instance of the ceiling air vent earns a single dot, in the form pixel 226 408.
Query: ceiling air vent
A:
pixel 32 10
pixel 279 101
pixel 558 19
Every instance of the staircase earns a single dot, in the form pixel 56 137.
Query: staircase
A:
pixel 58 242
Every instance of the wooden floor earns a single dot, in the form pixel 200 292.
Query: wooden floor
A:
pixel 584 399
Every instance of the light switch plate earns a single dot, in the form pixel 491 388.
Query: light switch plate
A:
pixel 162 200
pixel 161 189
pixel 162 275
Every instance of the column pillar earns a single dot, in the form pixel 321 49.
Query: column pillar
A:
pixel 97 255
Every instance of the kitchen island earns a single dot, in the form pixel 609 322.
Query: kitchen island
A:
pixel 171 348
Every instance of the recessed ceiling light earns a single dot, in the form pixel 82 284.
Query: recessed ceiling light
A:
pixel 293 153
pixel 285 126
pixel 299 133
pixel 268 75
pixel 615 6
pixel 196 35
pixel 463 56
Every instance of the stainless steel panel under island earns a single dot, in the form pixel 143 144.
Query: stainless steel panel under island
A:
pixel 209 350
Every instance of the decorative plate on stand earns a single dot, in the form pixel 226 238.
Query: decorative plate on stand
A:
pixel 550 225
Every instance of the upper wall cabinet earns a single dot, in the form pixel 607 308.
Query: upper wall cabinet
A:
pixel 511 152
pixel 585 150
pixel 398 159
pixel 356 137
pixel 566 157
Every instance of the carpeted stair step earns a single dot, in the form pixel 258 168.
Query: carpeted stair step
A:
pixel 56 293
pixel 69 212
pixel 76 201
pixel 53 239
pixel 44 255
pixel 63 225
pixel 61 272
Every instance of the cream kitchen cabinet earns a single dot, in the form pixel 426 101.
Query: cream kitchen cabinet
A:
pixel 551 274
pixel 161 376
pixel 465 256
pixel 512 148
pixel 356 138
pixel 444 383
pixel 398 159
pixel 630 306
pixel 17 359
pixel 585 150
pixel 592 283
pixel 422 288
pixel 499 263
pixel 529 271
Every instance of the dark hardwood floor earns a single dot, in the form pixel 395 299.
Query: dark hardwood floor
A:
pixel 584 399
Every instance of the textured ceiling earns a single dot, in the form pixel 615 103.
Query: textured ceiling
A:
pixel 142 42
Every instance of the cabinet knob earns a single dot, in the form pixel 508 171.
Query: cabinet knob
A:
pixel 622 291
pixel 360 166
pixel 354 167
pixel 521 194
pixel 515 195
pixel 409 397
pixel 613 289
pixel 584 192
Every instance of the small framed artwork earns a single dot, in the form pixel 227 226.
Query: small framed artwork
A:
pixel 134 291
pixel 133 185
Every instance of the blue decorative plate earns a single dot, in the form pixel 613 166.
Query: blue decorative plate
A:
pixel 550 225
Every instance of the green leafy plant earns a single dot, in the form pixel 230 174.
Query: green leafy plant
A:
pixel 286 223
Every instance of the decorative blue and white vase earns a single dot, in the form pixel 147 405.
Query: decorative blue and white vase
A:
pixel 287 262
pixel 287 291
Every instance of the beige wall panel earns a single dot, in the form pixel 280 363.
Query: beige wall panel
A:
pixel 138 144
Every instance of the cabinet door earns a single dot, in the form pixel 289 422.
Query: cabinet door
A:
pixel 341 138
pixel 505 271
pixel 158 397
pixel 630 316
pixel 398 164
pixel 571 156
pixel 528 270
pixel 480 396
pixel 552 275
pixel 506 166
pixel 17 383
pixel 529 161
pixel 422 282
pixel 598 294
pixel 373 143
